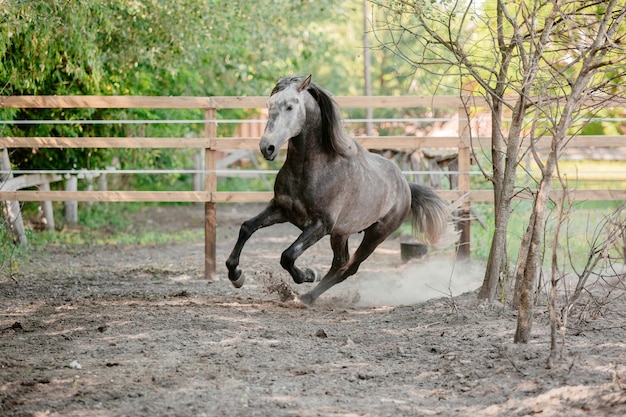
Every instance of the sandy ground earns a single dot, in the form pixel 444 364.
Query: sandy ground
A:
pixel 136 331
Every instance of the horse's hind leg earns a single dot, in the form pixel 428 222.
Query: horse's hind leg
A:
pixel 341 253
pixel 374 236
pixel 269 216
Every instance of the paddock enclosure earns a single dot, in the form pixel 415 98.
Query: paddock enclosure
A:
pixel 135 330
pixel 459 144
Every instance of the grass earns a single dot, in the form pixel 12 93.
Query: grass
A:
pixel 107 224
pixel 576 236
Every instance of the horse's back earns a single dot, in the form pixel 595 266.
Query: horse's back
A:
pixel 346 193
pixel 373 190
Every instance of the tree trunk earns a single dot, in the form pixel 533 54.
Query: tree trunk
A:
pixel 521 262
pixel 497 256
pixel 501 216
pixel 533 260
pixel 505 158
pixel 554 279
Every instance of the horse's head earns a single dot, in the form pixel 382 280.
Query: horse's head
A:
pixel 287 115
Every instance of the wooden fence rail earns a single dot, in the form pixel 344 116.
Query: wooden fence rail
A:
pixel 211 144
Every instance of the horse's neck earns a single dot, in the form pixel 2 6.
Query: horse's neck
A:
pixel 306 150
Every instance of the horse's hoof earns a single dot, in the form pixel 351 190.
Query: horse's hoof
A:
pixel 305 299
pixel 237 278
pixel 310 275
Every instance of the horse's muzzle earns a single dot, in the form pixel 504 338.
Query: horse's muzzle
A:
pixel 268 150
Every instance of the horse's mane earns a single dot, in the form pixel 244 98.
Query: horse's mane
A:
pixel 334 136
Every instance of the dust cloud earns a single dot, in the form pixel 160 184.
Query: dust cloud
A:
pixel 411 283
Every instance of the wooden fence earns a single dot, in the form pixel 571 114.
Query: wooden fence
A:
pixel 211 145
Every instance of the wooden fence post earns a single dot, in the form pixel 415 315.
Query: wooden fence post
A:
pixel 12 210
pixel 71 207
pixel 102 182
pixel 89 179
pixel 464 163
pixel 198 163
pixel 46 207
pixel 210 186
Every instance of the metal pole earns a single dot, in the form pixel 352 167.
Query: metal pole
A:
pixel 367 70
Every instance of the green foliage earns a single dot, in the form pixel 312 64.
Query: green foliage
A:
pixel 47 47
pixel 188 47
pixel 154 47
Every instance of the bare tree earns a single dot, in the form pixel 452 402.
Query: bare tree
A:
pixel 544 64
pixel 601 273
pixel 574 72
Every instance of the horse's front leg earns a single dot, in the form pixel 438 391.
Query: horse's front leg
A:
pixel 269 216
pixel 307 238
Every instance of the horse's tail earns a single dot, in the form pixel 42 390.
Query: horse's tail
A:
pixel 431 217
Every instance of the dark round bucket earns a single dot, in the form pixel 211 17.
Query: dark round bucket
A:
pixel 412 250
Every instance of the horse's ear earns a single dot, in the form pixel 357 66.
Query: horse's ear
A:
pixel 305 84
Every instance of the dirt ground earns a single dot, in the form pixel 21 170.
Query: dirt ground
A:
pixel 136 331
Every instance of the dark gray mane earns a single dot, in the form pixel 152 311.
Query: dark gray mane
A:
pixel 334 137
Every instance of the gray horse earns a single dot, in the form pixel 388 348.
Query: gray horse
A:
pixel 331 185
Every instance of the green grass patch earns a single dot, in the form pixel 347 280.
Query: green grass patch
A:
pixel 576 235
pixel 108 224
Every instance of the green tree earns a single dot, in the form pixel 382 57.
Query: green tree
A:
pixel 146 47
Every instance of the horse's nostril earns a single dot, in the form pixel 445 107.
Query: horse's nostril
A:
pixel 270 149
